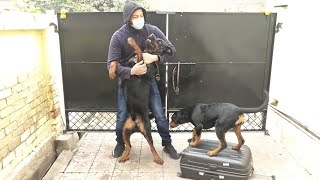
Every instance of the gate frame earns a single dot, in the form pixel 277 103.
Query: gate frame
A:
pixel 269 51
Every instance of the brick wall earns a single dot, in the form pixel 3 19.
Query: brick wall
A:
pixel 29 101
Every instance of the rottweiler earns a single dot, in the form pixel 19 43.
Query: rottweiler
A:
pixel 222 116
pixel 137 90
pixel 154 45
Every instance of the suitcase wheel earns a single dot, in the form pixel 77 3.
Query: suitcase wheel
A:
pixel 179 174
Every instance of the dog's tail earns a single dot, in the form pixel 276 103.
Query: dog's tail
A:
pixel 257 109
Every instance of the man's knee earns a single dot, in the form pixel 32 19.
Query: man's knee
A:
pixel 161 119
pixel 120 122
pixel 121 118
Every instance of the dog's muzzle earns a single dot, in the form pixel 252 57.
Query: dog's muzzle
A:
pixel 173 124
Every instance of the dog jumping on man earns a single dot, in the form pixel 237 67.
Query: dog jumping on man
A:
pixel 222 116
pixel 137 90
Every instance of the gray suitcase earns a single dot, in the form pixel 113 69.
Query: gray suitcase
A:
pixel 228 164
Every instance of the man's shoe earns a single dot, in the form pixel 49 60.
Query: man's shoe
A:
pixel 169 149
pixel 118 150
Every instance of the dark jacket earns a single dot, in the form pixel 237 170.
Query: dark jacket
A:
pixel 121 51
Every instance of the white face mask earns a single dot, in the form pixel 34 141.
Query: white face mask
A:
pixel 138 23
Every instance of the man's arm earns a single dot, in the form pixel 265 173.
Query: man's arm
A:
pixel 114 65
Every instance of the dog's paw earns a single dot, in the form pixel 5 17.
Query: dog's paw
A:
pixel 237 147
pixel 158 161
pixel 112 75
pixel 191 140
pixel 112 70
pixel 123 159
pixel 211 153
pixel 193 144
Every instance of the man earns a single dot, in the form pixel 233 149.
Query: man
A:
pixel 134 17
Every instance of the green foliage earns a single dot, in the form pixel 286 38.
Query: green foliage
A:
pixel 40 6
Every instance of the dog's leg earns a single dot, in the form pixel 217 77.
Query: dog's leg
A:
pixel 237 130
pixel 240 120
pixel 112 69
pixel 193 136
pixel 127 130
pixel 223 144
pixel 197 136
pixel 136 48
pixel 145 129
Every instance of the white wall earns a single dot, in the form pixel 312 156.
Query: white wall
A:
pixel 295 76
pixel 208 5
pixel 295 83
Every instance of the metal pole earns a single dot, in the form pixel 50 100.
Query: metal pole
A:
pixel 166 84
pixel 166 75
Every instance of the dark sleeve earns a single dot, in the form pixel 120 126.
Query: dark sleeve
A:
pixel 157 32
pixel 114 54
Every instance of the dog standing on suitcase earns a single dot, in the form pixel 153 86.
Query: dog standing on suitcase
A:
pixel 137 90
pixel 222 116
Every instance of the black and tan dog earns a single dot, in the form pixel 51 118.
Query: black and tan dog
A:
pixel 222 116
pixel 137 90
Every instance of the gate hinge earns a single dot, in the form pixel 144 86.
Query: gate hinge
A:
pixel 55 26
pixel 278 27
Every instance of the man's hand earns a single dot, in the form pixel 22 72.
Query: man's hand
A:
pixel 139 69
pixel 149 58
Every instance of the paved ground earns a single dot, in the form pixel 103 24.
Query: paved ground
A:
pixel 93 158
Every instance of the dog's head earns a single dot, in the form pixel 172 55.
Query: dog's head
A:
pixel 157 46
pixel 181 117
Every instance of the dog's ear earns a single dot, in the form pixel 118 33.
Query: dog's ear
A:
pixel 204 108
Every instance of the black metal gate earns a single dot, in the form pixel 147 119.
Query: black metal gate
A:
pixel 221 57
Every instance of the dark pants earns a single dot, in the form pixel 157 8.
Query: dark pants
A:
pixel 156 108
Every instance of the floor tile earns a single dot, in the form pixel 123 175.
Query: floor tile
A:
pixel 93 159
pixel 150 176
pixel 76 167
pixel 149 167
pixel 74 176
pixel 124 175
pixel 99 166
pixel 99 176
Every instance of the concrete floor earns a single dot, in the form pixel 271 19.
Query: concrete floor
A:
pixel 93 158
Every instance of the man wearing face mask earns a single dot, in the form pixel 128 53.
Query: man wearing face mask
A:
pixel 134 17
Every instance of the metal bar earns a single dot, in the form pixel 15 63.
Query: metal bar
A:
pixel 91 130
pixel 165 12
pixel 304 129
pixel 84 62
pixel 166 79
pixel 67 128
pixel 91 110
pixel 192 63
pixel 264 121
pixel 181 63
pixel 230 62
pixel 63 70
pixel 168 63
